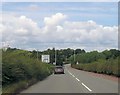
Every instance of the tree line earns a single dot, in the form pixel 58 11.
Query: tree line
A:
pixel 73 55
pixel 76 55
pixel 92 56
pixel 62 55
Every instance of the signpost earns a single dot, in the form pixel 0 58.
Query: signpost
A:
pixel 77 63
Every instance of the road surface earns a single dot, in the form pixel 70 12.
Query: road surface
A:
pixel 73 81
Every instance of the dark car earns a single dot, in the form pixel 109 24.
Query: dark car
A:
pixel 58 70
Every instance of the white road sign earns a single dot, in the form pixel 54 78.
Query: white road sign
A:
pixel 46 58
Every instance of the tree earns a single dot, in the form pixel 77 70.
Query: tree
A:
pixel 107 54
pixel 78 51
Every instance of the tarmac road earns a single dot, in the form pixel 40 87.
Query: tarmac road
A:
pixel 74 81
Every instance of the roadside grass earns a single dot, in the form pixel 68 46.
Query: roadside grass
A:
pixel 14 88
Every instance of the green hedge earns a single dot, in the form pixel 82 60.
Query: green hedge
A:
pixel 17 67
pixel 109 67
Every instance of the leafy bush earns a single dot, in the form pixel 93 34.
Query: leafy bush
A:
pixel 17 66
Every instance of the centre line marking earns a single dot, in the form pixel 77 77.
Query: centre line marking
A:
pixel 86 87
pixel 80 81
pixel 77 79
pixel 73 75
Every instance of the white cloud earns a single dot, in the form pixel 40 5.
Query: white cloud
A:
pixel 18 30
pixel 57 31
pixel 54 19
pixel 22 31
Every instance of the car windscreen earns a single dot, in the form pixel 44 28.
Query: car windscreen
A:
pixel 59 67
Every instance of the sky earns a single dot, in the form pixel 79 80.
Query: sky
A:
pixel 42 25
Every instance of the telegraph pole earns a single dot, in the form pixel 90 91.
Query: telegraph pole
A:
pixel 37 54
pixel 55 56
pixel 74 55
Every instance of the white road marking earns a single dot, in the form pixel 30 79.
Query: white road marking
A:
pixel 70 73
pixel 80 81
pixel 73 75
pixel 86 87
pixel 77 79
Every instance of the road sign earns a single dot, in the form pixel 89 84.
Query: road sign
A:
pixel 46 58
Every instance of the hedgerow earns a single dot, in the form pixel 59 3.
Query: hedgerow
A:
pixel 17 66
pixel 109 67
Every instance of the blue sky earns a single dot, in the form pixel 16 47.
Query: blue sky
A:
pixel 104 13
pixel 86 25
